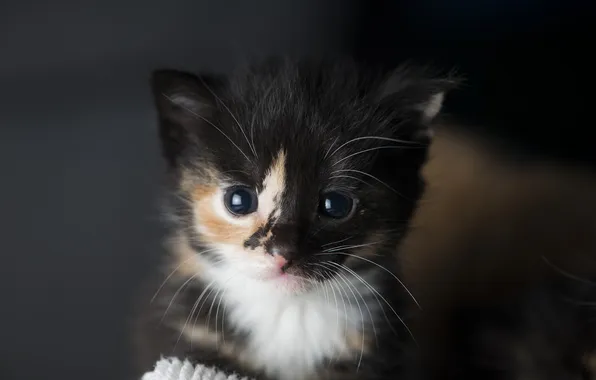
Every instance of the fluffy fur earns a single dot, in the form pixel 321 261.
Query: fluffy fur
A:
pixel 286 292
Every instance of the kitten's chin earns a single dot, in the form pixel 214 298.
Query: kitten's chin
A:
pixel 285 283
pixel 291 284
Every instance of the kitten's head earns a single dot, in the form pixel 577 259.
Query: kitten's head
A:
pixel 289 172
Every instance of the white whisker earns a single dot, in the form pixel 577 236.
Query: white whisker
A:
pixel 345 319
pixel 351 177
pixel 223 320
pixel 333 249
pixel 371 289
pixel 368 175
pixel 343 278
pixel 176 270
pixel 231 114
pixel 254 116
pixel 376 293
pixel 338 241
pixel 217 311
pixel 330 147
pixel 372 319
pixel 369 150
pixel 192 311
pixel 336 314
pixel 176 294
pixel 374 138
pixel 379 266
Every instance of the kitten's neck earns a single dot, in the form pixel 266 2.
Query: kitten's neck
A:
pixel 286 336
pixel 291 335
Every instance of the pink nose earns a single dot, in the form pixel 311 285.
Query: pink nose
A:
pixel 280 261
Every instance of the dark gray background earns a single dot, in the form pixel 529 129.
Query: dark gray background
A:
pixel 80 159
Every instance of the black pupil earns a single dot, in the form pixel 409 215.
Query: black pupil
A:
pixel 335 205
pixel 240 201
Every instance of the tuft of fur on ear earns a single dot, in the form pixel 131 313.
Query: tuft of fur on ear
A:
pixel 431 108
pixel 183 102
pixel 418 91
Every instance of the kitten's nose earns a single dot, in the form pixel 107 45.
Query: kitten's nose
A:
pixel 282 257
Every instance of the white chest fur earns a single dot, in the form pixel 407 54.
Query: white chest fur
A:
pixel 290 335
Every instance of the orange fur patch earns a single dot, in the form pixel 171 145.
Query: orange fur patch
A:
pixel 216 227
pixel 218 230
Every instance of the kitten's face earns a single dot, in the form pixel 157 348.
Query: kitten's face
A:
pixel 291 174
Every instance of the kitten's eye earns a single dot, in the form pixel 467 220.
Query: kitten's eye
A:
pixel 241 200
pixel 335 205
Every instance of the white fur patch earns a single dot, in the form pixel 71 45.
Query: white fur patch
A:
pixel 289 334
pixel 273 187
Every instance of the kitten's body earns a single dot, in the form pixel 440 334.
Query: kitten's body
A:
pixel 331 154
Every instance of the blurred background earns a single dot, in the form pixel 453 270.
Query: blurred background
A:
pixel 78 145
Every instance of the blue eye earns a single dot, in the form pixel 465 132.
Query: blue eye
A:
pixel 335 205
pixel 241 200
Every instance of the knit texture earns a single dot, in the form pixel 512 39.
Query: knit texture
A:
pixel 174 369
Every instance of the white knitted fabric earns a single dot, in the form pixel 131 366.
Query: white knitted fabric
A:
pixel 174 369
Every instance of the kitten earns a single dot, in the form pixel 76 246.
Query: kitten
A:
pixel 291 183
pixel 502 256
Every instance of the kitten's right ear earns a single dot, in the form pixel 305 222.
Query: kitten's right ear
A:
pixel 184 101
pixel 419 92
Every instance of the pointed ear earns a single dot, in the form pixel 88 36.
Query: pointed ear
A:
pixel 174 90
pixel 183 101
pixel 415 92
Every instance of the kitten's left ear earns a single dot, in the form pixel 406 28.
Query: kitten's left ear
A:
pixel 184 102
pixel 415 92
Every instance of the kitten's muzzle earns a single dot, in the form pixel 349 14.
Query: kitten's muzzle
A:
pixel 284 245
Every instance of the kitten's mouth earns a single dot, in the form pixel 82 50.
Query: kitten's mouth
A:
pixel 290 280
pixel 290 274
pixel 287 276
